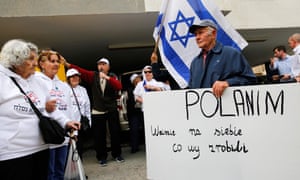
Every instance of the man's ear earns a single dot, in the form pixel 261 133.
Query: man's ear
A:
pixel 214 32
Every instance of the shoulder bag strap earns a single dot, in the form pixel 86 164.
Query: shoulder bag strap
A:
pixel 37 112
pixel 76 100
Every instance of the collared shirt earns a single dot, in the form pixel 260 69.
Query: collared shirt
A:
pixel 296 62
pixel 283 65
pixel 296 50
pixel 102 84
pixel 223 63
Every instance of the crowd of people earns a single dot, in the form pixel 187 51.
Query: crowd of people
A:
pixel 283 67
pixel 24 154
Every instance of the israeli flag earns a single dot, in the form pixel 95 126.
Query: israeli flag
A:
pixel 176 45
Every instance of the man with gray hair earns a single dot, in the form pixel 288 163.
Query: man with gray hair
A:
pixel 294 43
pixel 217 66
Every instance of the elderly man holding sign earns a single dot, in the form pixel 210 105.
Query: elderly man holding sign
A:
pixel 217 66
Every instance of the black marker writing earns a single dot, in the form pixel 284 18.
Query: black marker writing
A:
pixel 195 149
pixel 157 131
pixel 245 103
pixel 228 147
pixel 229 131
pixel 195 132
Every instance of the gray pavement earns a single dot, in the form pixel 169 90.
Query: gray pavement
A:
pixel 134 167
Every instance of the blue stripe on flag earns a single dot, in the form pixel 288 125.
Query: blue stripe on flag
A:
pixel 173 57
pixel 159 19
pixel 203 13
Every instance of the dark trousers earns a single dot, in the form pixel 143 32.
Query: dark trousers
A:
pixel 99 131
pixel 136 124
pixel 34 166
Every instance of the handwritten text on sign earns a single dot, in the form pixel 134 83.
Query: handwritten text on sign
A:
pixel 192 134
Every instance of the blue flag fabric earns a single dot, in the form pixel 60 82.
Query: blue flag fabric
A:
pixel 176 45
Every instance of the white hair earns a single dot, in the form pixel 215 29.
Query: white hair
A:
pixel 15 52
pixel 210 30
pixel 296 37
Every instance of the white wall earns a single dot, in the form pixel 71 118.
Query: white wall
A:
pixel 152 5
pixel 245 14
pixel 262 13
pixel 19 8
pixel 250 14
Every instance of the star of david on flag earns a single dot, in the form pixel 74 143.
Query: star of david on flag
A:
pixel 181 20
pixel 176 45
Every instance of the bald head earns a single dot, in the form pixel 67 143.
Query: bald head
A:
pixel 294 40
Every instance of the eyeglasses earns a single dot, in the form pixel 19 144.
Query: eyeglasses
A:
pixel 147 72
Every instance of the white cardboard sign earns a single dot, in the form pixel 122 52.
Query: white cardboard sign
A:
pixel 250 133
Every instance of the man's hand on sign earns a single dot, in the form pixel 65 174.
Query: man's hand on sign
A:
pixel 219 87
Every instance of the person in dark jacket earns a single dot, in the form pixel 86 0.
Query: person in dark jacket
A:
pixel 217 66
pixel 105 87
pixel 162 75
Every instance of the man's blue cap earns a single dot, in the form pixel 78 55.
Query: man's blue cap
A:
pixel 203 23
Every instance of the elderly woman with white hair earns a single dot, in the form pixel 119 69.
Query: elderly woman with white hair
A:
pixel 23 153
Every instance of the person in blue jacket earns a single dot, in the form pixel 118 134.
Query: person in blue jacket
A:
pixel 217 66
